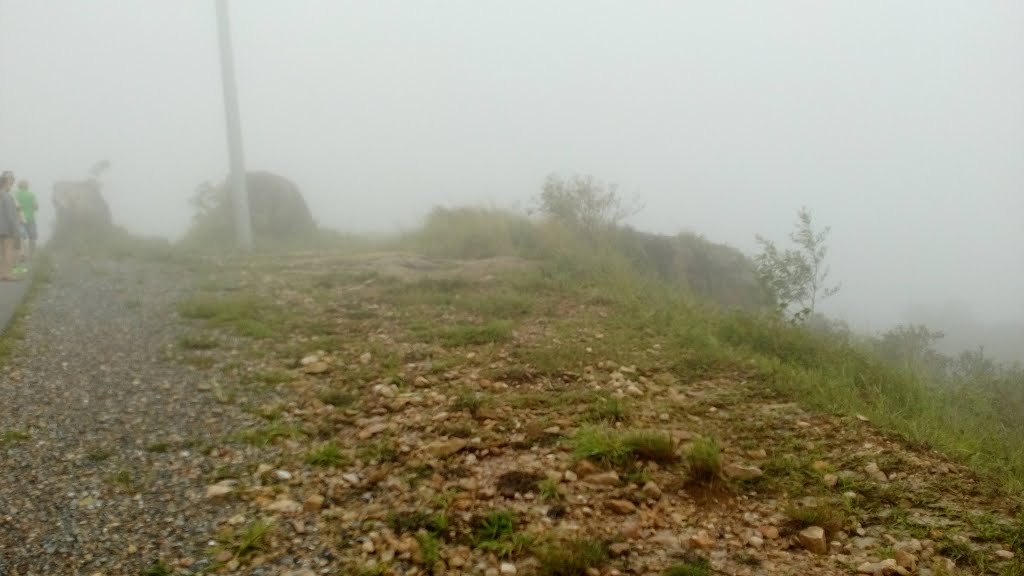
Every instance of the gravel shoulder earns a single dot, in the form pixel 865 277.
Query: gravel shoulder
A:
pixel 98 470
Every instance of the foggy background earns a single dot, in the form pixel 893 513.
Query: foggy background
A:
pixel 901 125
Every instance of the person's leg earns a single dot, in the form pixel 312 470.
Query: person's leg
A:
pixel 7 273
pixel 30 228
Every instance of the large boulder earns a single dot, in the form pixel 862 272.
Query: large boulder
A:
pixel 277 208
pixel 81 212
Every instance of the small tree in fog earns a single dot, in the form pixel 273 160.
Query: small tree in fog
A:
pixel 912 347
pixel 583 203
pixel 797 277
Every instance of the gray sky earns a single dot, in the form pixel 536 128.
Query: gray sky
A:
pixel 901 124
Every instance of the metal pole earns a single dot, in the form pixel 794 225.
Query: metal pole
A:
pixel 243 219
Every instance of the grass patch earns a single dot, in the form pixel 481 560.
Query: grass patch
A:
pixel 600 445
pixel 500 306
pixel 198 342
pixel 123 478
pixel 549 491
pixel 380 452
pixel 13 437
pixel 430 549
pixel 469 402
pixel 495 526
pixel 695 567
pixel 246 316
pixel 990 529
pixel 272 377
pixel 610 410
pixel 202 362
pixel 327 454
pixel 251 540
pixel 264 435
pixel 704 461
pixel 571 558
pixel 158 447
pixel 828 516
pixel 962 553
pixel 496 533
pixel 98 454
pixel 436 523
pixel 338 398
pixel 476 334
pixel 623 449
pixel 158 568
pixel 651 446
pixel 617 449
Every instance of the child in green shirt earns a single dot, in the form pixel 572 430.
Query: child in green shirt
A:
pixel 29 206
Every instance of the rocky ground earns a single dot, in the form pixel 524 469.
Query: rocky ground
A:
pixel 393 415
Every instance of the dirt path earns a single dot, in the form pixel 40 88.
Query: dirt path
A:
pixel 97 474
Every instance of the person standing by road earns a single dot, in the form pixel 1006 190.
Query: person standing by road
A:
pixel 29 206
pixel 10 228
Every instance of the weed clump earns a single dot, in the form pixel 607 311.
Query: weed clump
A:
pixel 338 398
pixel 826 515
pixel 572 558
pixel 693 567
pixel 618 449
pixel 327 454
pixel 704 461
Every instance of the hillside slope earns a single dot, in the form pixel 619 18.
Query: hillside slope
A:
pixel 416 415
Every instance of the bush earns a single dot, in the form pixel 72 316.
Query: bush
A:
pixel 583 204
pixel 475 233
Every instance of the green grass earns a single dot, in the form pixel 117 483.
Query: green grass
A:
pixel 123 478
pixel 571 558
pixel 549 491
pixel 338 398
pixel 704 461
pixel 13 437
pixel 600 445
pixel 272 377
pixel 380 452
pixel 264 435
pixel 435 523
pixel 496 533
pixel 475 334
pixel 616 448
pixel 827 515
pixel 696 567
pixel 243 315
pixel 430 549
pixel 327 454
pixel 98 454
pixel 158 568
pixel 651 446
pixel 495 526
pixel 470 402
pixel 252 539
pixel 198 342
pixel 608 410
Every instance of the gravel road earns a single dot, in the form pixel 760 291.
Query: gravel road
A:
pixel 100 466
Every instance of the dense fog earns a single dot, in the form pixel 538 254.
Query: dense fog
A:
pixel 900 125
